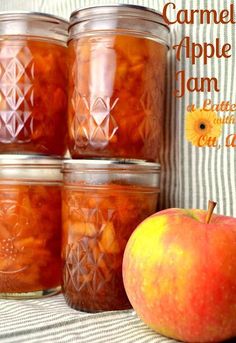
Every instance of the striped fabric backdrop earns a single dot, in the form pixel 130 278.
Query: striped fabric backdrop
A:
pixel 191 175
pixel 51 321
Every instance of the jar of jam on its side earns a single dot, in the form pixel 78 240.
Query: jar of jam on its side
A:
pixel 30 226
pixel 117 82
pixel 102 203
pixel 33 84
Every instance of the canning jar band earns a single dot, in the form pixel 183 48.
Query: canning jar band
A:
pixel 119 19
pixel 101 172
pixel 112 164
pixel 16 181
pixel 30 175
pixel 29 168
pixel 81 13
pixel 33 25
pixel 120 10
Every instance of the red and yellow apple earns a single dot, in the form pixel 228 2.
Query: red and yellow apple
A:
pixel 179 273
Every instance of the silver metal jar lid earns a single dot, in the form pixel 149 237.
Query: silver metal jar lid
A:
pixel 27 167
pixel 130 18
pixel 95 172
pixel 33 24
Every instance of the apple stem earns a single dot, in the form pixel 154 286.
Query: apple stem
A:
pixel 211 206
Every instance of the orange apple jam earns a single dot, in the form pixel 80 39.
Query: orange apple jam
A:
pixel 98 218
pixel 30 228
pixel 116 96
pixel 29 238
pixel 33 96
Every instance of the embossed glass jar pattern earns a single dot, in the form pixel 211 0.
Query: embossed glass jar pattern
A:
pixel 102 203
pixel 33 84
pixel 30 227
pixel 117 74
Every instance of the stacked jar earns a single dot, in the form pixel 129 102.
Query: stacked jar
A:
pixel 33 104
pixel 117 83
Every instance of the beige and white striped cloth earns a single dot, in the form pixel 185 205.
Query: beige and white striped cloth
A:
pixel 191 176
pixel 52 321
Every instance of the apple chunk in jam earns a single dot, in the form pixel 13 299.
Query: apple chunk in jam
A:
pixel 30 238
pixel 97 223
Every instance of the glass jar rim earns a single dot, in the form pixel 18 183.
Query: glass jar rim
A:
pixel 89 12
pixel 7 160
pixel 86 13
pixel 29 168
pixel 97 173
pixel 111 165
pixel 25 14
pixel 57 27
pixel 89 20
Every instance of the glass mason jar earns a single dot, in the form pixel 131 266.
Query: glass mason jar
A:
pixel 33 84
pixel 102 203
pixel 117 82
pixel 30 226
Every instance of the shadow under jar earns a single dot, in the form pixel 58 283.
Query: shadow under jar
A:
pixel 102 204
pixel 33 84
pixel 117 82
pixel 30 227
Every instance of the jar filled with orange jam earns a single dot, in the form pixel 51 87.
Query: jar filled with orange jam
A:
pixel 30 227
pixel 33 84
pixel 117 82
pixel 102 204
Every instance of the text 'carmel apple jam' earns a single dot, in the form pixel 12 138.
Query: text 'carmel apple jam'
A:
pixel 102 204
pixel 117 80
pixel 30 227
pixel 33 84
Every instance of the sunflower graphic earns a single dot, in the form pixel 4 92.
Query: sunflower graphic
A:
pixel 199 123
